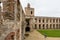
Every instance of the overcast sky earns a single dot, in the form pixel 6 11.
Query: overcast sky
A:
pixel 44 7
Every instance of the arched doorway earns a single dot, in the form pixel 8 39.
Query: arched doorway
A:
pixel 10 36
pixel 27 29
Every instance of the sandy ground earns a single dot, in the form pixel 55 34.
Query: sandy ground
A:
pixel 52 38
pixel 37 36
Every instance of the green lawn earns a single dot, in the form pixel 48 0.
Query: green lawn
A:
pixel 50 33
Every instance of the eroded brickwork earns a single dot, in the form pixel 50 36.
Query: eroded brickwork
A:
pixel 12 15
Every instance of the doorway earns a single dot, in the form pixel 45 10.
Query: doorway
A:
pixel 27 29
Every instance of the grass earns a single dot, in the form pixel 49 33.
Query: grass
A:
pixel 50 33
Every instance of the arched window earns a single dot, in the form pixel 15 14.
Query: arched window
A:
pixel 31 12
pixel 35 19
pixel 56 20
pixel 50 26
pixel 35 26
pixel 39 20
pixel 43 26
pixel 27 29
pixel 56 26
pixel 59 26
pixel 53 26
pixel 50 20
pixel 53 20
pixel 39 26
pixel 43 20
pixel 46 20
pixel 47 26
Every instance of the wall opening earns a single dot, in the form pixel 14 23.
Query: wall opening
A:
pixel 27 29
pixel 39 26
pixel 27 21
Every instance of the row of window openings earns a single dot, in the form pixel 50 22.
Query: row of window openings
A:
pixel 57 26
pixel 47 21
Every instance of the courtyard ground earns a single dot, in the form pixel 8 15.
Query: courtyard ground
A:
pixel 50 33
pixel 35 35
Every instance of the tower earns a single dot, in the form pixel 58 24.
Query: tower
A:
pixel 29 11
pixel 29 15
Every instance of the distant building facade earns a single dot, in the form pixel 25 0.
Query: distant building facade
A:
pixel 47 23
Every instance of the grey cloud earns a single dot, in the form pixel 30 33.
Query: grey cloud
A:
pixel 44 7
